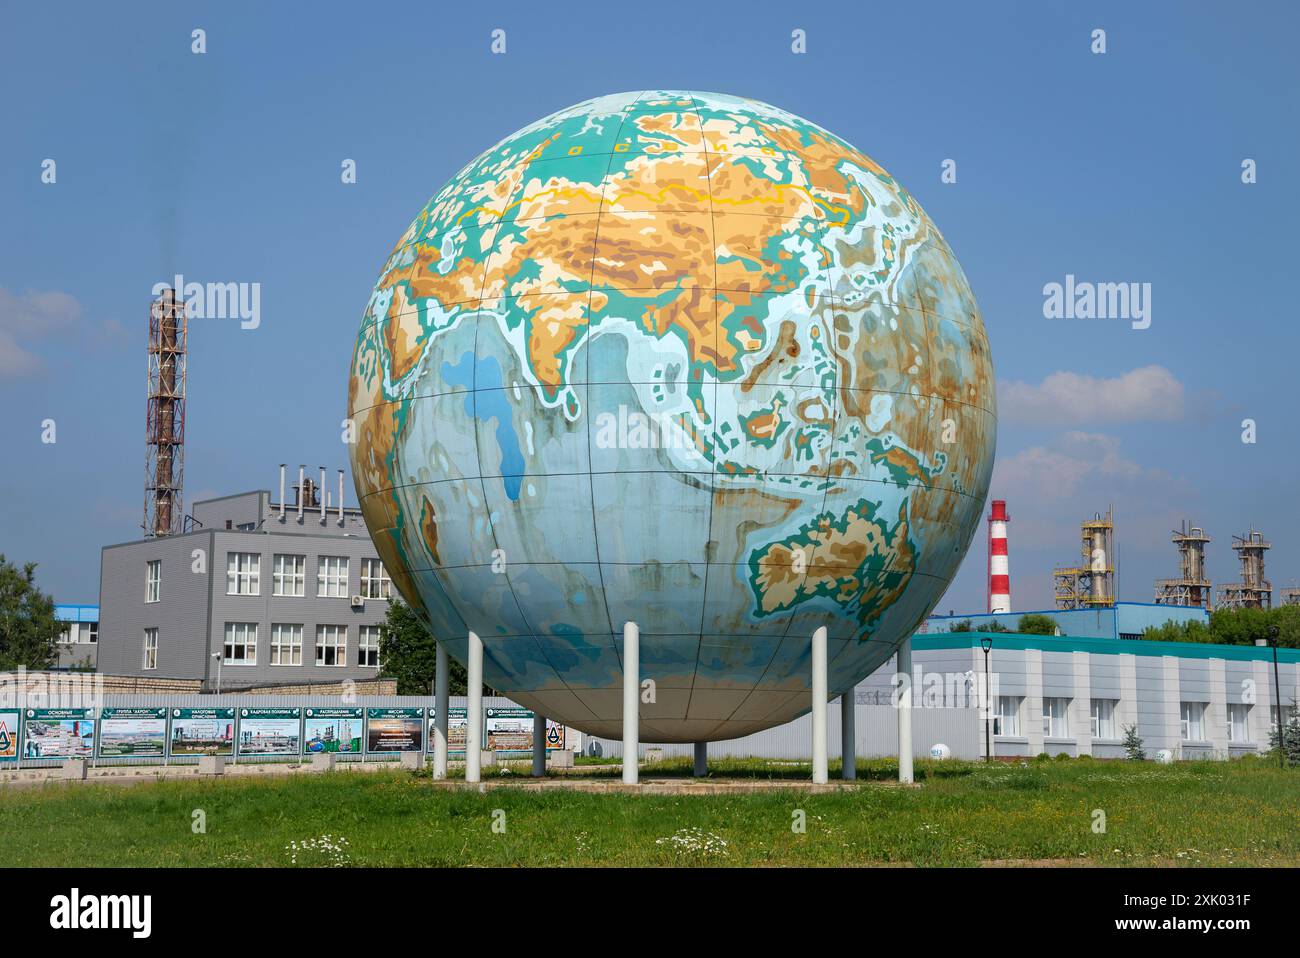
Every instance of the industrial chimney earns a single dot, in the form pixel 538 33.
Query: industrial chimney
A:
pixel 999 590
pixel 164 464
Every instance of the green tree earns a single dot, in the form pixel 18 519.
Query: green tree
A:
pixel 1036 624
pixel 965 625
pixel 29 632
pixel 1291 729
pixel 409 654
pixel 1235 627
pixel 1133 746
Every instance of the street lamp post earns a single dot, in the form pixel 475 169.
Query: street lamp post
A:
pixel 1277 696
pixel 986 644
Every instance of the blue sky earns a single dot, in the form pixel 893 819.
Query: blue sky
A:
pixel 1119 167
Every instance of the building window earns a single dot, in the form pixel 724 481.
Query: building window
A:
pixel 1006 715
pixel 241 643
pixel 368 647
pixel 332 577
pixel 66 634
pixel 153 580
pixel 1193 720
pixel 332 644
pixel 289 575
pixel 1054 718
pixel 375 583
pixel 243 570
pixel 91 631
pixel 1103 718
pixel 1238 722
pixel 150 649
pixel 286 644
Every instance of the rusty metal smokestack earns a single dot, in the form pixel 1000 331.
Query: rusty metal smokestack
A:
pixel 165 416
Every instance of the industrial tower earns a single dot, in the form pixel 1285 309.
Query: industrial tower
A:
pixel 1090 585
pixel 164 430
pixel 1191 587
pixel 1253 591
pixel 999 587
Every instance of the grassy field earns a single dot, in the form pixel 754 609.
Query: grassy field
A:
pixel 1195 813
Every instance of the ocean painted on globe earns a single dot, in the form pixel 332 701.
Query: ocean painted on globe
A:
pixel 683 359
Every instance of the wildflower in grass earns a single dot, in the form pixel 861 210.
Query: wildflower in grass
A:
pixel 695 841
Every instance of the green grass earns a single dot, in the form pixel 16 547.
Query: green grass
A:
pixel 1244 812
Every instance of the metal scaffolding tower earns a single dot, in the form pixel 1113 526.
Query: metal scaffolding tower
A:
pixel 1091 584
pixel 1192 587
pixel 1253 591
pixel 164 462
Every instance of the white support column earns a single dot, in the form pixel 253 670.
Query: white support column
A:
pixel 819 772
pixel 905 712
pixel 701 759
pixel 849 735
pixel 631 701
pixel 474 734
pixel 441 706
pixel 539 744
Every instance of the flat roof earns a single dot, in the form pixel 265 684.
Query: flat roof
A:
pixel 931 641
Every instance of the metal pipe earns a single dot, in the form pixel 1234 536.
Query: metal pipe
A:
pixel 539 745
pixel 302 488
pixel 819 773
pixel 905 712
pixel 631 701
pixel 474 694
pixel 282 492
pixel 441 703
pixel 848 736
pixel 340 497
pixel 320 494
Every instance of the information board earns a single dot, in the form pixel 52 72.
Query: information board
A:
pixel 58 733
pixel 133 732
pixel 457 729
pixel 394 730
pixel 270 731
pixel 205 731
pixel 332 730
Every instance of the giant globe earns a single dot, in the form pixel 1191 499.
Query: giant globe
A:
pixel 679 359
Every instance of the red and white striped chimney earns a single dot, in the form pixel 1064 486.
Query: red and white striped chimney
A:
pixel 999 570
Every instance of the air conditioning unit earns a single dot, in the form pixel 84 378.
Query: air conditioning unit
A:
pixel 358 602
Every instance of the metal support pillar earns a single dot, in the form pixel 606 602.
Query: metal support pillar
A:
pixel 441 705
pixel 905 712
pixel 819 773
pixel 631 701
pixel 849 736
pixel 474 733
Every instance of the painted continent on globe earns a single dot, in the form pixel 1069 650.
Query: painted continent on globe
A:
pixel 682 359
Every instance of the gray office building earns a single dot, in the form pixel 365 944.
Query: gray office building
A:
pixel 252 593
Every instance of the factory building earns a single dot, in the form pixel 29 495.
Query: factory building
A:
pixel 1120 620
pixel 253 592
pixel 79 639
pixel 1075 694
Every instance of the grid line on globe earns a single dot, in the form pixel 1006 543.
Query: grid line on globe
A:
pixel 682 359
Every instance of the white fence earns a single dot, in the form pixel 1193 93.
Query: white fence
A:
pixel 876 728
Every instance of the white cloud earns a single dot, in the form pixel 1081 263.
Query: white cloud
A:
pixel 1073 462
pixel 1147 394
pixel 28 317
